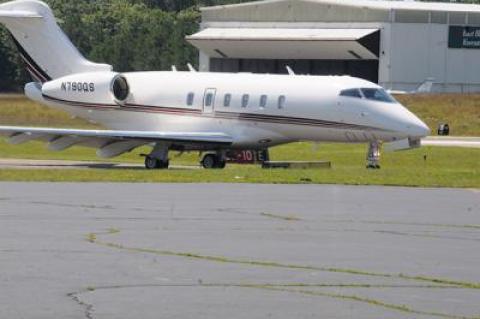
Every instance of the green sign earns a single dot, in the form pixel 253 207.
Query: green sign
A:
pixel 460 37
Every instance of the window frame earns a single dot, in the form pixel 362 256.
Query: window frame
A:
pixel 384 98
pixel 209 99
pixel 227 100
pixel 357 90
pixel 190 98
pixel 245 100
pixel 282 102
pixel 263 101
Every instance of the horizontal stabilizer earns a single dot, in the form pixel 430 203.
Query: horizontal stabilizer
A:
pixel 46 50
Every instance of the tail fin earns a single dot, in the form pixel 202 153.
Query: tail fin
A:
pixel 426 87
pixel 46 50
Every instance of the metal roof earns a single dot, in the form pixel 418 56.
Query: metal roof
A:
pixel 285 43
pixel 369 4
pixel 270 34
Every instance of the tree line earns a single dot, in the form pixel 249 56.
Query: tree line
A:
pixel 131 35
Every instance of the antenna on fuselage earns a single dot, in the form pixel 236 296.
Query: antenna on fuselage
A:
pixel 174 68
pixel 191 68
pixel 289 70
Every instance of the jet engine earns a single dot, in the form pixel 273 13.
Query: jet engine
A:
pixel 91 89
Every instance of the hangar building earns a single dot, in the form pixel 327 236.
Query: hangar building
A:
pixel 398 44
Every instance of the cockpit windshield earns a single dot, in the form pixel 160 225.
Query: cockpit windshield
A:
pixel 370 94
pixel 377 95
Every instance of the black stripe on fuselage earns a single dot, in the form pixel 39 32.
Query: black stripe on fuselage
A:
pixel 218 114
pixel 32 66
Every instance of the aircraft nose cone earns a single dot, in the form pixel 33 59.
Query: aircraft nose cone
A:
pixel 416 128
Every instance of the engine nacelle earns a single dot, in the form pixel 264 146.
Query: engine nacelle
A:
pixel 106 88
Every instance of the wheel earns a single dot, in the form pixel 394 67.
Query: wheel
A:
pixel 151 163
pixel 221 164
pixel 163 164
pixel 209 161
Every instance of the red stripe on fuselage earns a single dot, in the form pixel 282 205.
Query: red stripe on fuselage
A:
pixel 222 115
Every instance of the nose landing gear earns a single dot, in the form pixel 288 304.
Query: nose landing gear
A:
pixel 373 155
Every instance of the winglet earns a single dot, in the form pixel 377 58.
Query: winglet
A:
pixel 289 70
pixel 191 68
pixel 174 68
pixel 426 86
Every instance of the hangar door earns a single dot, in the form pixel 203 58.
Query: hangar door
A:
pixel 308 51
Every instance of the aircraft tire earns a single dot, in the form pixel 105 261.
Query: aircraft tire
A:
pixel 221 164
pixel 162 164
pixel 153 163
pixel 209 161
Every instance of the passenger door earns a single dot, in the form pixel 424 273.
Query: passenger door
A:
pixel 209 100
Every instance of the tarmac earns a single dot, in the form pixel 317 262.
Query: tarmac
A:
pixel 72 250
pixel 452 141
pixel 6 163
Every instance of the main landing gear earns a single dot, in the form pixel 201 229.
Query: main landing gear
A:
pixel 373 155
pixel 158 158
pixel 211 161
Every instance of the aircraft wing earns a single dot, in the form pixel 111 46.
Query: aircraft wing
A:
pixel 396 92
pixel 110 143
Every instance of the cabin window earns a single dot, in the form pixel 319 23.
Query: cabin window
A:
pixel 245 99
pixel 351 93
pixel 209 99
pixel 190 98
pixel 281 102
pixel 263 101
pixel 227 100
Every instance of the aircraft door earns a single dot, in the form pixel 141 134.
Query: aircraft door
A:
pixel 209 100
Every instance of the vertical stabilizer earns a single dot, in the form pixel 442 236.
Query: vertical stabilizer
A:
pixel 425 87
pixel 46 50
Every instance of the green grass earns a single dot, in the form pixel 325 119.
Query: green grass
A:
pixel 461 112
pixel 18 110
pixel 443 167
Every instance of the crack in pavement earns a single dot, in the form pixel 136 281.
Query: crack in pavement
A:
pixel 444 283
pixel 66 205
pixel 380 222
pixel 92 237
pixel 373 302
pixel 88 308
pixel 285 287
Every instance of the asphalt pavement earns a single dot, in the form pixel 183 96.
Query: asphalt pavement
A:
pixel 73 250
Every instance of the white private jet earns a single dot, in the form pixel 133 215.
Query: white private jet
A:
pixel 212 112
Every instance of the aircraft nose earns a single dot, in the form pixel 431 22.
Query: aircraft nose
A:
pixel 417 128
